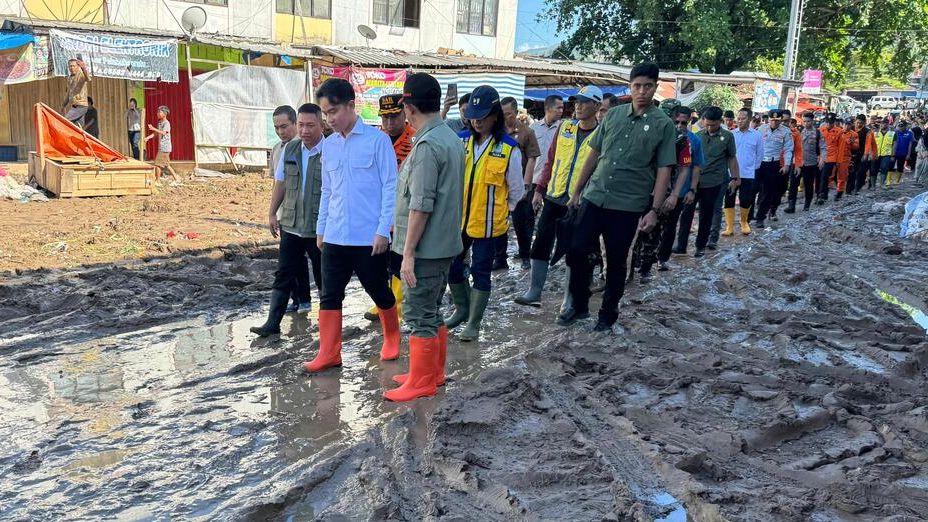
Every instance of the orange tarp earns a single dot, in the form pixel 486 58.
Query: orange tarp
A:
pixel 56 137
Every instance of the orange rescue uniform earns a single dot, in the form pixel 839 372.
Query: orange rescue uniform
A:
pixel 403 144
pixel 847 144
pixel 832 139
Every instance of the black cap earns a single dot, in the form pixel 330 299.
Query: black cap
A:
pixel 775 114
pixel 391 104
pixel 831 117
pixel 421 87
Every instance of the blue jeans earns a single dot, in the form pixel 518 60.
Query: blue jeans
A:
pixel 481 262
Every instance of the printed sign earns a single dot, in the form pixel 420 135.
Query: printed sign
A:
pixel 766 95
pixel 116 56
pixel 25 63
pixel 369 85
pixel 812 81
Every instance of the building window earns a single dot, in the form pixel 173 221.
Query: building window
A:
pixel 397 13
pixel 477 17
pixel 221 3
pixel 311 8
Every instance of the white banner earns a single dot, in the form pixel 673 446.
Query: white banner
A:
pixel 233 106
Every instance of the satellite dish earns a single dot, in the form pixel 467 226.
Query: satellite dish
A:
pixel 193 19
pixel 368 33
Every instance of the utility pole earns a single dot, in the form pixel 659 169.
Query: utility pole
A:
pixel 792 46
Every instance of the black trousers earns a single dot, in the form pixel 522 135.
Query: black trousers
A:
pixel 874 172
pixel 824 179
pixel 705 198
pixel 810 177
pixel 768 182
pixel 782 189
pixel 669 232
pixel 795 179
pixel 523 222
pixel 339 263
pixel 546 230
pixel 292 275
pixel 618 229
pixel 745 194
pixel 852 174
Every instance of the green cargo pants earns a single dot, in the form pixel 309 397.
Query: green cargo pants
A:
pixel 421 304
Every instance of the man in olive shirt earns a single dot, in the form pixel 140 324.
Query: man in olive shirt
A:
pixel 720 157
pixel 634 151
pixel 429 201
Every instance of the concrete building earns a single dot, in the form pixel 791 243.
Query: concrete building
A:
pixel 479 27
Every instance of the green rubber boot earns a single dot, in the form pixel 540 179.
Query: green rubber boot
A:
pixel 478 305
pixel 460 295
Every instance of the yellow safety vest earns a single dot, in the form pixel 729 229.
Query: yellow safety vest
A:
pixel 486 192
pixel 569 157
pixel 884 143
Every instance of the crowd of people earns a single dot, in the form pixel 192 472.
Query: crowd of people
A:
pixel 425 203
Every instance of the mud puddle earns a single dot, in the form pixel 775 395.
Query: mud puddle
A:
pixel 767 381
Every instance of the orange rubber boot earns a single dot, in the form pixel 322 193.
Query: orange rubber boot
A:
pixel 440 364
pixel 390 322
pixel 423 357
pixel 330 342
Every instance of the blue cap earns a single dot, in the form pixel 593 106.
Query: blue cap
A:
pixel 481 103
pixel 590 93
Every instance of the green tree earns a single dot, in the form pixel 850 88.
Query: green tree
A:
pixel 721 36
pixel 719 96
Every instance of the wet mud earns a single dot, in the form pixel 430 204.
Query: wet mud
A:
pixel 782 377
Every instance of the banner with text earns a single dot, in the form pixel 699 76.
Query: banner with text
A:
pixel 114 56
pixel 766 95
pixel 26 63
pixel 812 81
pixel 369 85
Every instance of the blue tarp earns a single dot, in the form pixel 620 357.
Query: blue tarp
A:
pixel 541 94
pixel 13 40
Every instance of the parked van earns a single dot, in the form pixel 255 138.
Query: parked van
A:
pixel 884 102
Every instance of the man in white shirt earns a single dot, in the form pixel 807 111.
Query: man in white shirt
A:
pixel 545 131
pixel 296 196
pixel 355 217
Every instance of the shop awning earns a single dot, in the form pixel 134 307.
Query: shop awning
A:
pixel 566 92
pixel 14 40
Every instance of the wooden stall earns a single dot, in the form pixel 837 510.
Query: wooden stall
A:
pixel 70 163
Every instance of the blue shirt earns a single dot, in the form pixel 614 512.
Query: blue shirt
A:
pixel 750 145
pixel 358 187
pixel 903 140
pixel 696 155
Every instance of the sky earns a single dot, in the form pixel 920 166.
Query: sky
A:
pixel 530 33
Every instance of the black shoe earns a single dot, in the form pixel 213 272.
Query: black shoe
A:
pixel 773 217
pixel 805 208
pixel 526 264
pixel 571 316
pixel 791 208
pixel 838 196
pixel 645 277
pixel 500 264
pixel 712 246
pixel 265 330
pixel 760 224
pixel 819 201
pixel 602 327
pixel 662 266
pixel 677 250
pixel 699 252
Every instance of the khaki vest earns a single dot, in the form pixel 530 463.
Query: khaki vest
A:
pixel 300 210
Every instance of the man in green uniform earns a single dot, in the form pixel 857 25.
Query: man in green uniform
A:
pixel 427 233
pixel 633 153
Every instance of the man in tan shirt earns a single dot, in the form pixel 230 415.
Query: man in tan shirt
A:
pixel 75 104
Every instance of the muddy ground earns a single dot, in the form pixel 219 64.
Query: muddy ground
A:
pixel 197 214
pixel 782 377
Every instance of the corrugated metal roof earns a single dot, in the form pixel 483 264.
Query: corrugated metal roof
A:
pixel 371 57
pixel 18 24
pixel 734 77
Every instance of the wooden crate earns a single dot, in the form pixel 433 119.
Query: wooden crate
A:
pixel 77 177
